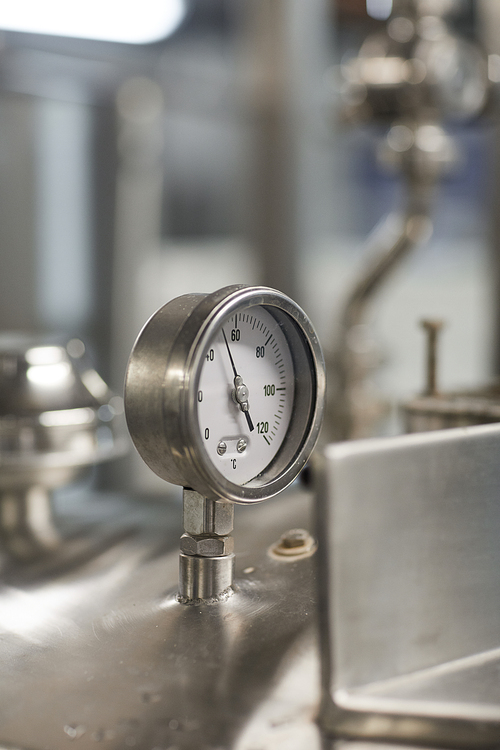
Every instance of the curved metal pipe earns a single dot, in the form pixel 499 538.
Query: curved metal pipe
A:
pixel 347 419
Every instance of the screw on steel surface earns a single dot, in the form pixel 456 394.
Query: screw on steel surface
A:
pixel 294 543
pixel 221 448
pixel 294 538
pixel 241 445
pixel 432 328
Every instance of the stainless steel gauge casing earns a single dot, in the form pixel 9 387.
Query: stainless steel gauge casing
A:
pixel 162 383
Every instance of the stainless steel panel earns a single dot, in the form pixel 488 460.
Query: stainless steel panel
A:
pixel 411 586
pixel 96 650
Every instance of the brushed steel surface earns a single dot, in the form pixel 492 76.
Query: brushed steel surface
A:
pixel 96 651
pixel 409 530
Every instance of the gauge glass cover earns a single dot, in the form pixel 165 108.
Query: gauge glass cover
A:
pixel 242 442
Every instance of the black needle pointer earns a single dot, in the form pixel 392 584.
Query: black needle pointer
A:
pixel 240 392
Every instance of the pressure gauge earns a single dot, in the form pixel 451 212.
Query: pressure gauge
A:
pixel 225 392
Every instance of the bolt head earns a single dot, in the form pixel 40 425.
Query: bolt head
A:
pixel 207 546
pixel 292 544
pixel 294 538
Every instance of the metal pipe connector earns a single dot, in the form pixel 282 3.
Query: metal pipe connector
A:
pixel 206 578
pixel 206 561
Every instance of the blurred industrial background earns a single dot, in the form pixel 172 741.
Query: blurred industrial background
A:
pixel 225 151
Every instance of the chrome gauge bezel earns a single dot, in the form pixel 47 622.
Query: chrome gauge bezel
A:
pixel 177 454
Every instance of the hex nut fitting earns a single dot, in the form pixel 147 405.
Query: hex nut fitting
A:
pixel 207 546
pixel 202 516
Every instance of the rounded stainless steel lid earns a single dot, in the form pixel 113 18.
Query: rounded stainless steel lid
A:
pixel 55 409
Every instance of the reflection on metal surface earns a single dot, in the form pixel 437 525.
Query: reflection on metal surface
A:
pixel 286 720
pixel 103 652
pixel 409 542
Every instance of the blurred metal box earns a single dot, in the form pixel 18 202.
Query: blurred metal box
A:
pixel 410 587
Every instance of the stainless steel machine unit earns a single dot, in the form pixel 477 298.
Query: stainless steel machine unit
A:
pixel 413 76
pixel 224 396
pixel 409 530
pixel 57 417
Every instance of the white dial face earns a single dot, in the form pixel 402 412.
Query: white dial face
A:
pixel 245 394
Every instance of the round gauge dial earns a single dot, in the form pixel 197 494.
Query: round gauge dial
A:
pixel 243 426
pixel 225 392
